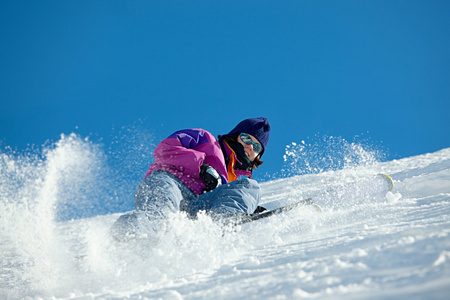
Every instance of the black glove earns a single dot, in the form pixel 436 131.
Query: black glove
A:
pixel 210 177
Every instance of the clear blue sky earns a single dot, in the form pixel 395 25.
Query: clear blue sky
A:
pixel 341 68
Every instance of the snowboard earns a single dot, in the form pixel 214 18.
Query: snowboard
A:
pixel 376 186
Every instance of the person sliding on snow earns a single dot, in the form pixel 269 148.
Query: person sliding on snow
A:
pixel 192 172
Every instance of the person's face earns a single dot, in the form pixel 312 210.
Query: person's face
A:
pixel 248 146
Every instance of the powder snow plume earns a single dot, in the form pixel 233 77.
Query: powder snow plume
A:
pixel 58 204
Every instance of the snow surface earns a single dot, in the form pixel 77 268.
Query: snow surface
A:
pixel 393 246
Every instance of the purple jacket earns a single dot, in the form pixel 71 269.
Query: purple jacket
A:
pixel 183 153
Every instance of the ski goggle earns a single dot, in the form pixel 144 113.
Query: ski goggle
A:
pixel 246 139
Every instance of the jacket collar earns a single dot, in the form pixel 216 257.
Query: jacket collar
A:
pixel 231 160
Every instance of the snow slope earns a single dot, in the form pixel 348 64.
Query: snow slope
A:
pixel 394 246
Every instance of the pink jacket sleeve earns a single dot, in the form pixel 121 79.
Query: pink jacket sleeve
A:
pixel 183 153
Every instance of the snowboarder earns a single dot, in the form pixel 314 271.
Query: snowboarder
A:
pixel 194 171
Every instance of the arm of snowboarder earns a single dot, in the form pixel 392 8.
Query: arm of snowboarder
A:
pixel 187 150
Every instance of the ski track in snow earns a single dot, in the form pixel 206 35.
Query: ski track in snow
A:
pixel 389 247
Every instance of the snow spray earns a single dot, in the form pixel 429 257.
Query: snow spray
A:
pixel 328 153
pixel 35 187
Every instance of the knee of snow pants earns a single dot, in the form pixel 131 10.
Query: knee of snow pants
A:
pixel 160 193
pixel 238 197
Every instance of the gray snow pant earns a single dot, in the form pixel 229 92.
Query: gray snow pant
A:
pixel 161 192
